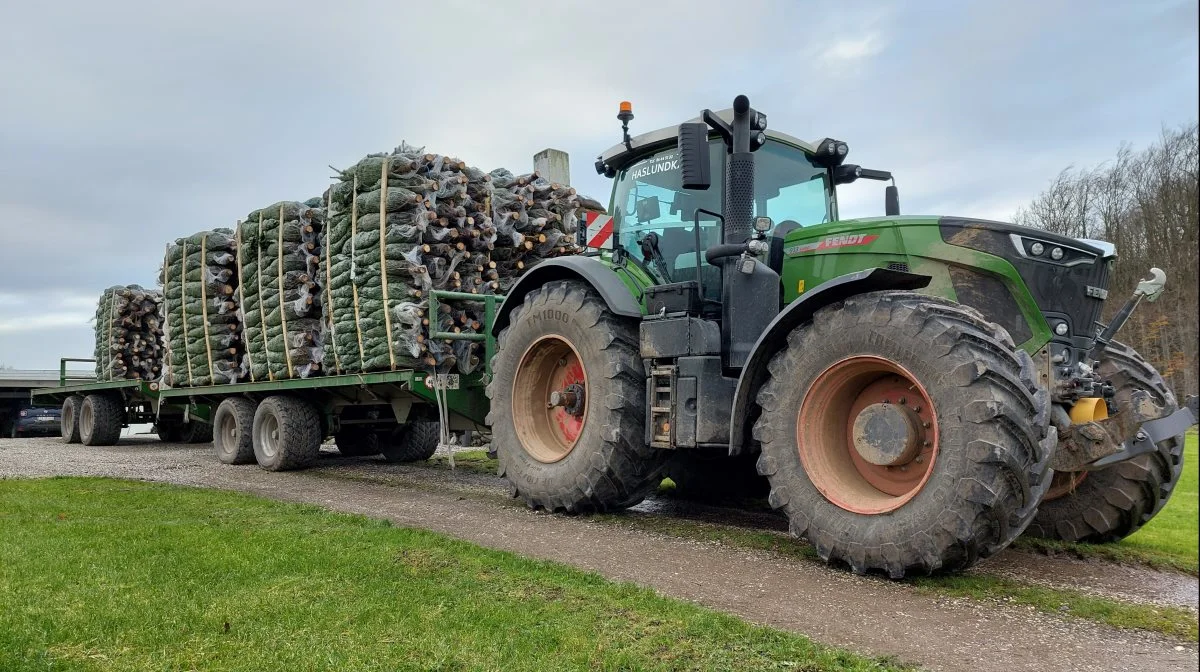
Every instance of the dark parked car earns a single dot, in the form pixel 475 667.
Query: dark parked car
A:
pixel 37 421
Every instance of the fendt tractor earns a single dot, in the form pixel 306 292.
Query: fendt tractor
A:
pixel 917 391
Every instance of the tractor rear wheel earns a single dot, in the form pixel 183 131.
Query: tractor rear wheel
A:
pixel 568 404
pixel 904 433
pixel 1112 503
pixel 69 420
pixel 707 475
pixel 169 432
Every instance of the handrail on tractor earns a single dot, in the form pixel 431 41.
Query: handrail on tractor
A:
pixel 489 315
pixel 62 369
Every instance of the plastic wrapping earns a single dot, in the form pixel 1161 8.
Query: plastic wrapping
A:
pixel 129 334
pixel 202 316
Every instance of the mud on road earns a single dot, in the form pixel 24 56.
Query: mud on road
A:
pixel 866 614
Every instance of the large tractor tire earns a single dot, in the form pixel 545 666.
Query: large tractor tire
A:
pixel 903 434
pixel 1112 503
pixel 588 451
pixel 287 434
pixel 233 431
pixel 714 476
pixel 412 442
pixel 100 420
pixel 357 441
pixel 69 420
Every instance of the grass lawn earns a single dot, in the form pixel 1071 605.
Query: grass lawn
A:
pixel 105 574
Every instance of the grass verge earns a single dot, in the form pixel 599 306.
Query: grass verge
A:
pixel 105 574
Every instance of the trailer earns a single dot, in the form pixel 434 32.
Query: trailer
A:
pixel 404 414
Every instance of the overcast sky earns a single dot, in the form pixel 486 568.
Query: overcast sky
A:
pixel 124 125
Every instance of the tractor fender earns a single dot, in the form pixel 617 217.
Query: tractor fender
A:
pixel 600 276
pixel 774 337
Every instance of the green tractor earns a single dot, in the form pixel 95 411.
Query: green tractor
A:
pixel 917 391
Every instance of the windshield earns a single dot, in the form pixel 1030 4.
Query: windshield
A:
pixel 648 197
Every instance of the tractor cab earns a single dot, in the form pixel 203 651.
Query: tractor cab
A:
pixel 665 227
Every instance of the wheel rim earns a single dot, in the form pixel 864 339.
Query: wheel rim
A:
pixel 227 433
pixel 67 421
pixel 85 419
pixel 268 436
pixel 1063 483
pixel 549 399
pixel 867 433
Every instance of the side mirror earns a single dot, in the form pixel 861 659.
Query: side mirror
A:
pixel 891 201
pixel 648 210
pixel 695 167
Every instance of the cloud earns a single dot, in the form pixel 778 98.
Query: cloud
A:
pixel 853 49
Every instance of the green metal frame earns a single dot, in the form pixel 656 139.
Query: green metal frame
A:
pixel 489 316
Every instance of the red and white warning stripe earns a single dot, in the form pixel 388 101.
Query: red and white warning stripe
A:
pixel 599 230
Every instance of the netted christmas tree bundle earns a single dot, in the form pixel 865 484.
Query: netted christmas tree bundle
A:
pixel 129 334
pixel 203 329
pixel 279 291
pixel 407 222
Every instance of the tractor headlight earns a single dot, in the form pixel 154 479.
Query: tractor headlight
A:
pixel 1036 249
pixel 1056 253
pixel 763 224
pixel 1061 328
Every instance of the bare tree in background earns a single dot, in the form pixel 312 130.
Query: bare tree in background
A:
pixel 1147 203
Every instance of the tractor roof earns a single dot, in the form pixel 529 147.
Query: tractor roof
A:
pixel 618 156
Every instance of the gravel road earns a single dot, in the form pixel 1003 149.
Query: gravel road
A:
pixel 864 614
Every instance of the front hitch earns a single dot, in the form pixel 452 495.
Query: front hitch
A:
pixel 1150 289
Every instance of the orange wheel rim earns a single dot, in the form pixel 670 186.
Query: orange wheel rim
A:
pixel 1063 483
pixel 549 398
pixel 867 432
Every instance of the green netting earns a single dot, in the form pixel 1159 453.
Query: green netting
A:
pixel 129 335
pixel 444 225
pixel 280 291
pixel 203 330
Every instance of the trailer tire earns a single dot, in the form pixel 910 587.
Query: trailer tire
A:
pixel 412 442
pixel 196 431
pixel 984 437
pixel 357 442
pixel 100 420
pixel 287 434
pixel 598 459
pixel 233 431
pixel 705 475
pixel 69 421
pixel 170 432
pixel 1110 504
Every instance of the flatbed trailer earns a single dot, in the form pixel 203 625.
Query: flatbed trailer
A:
pixel 281 424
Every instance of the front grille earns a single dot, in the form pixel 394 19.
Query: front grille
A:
pixel 898 266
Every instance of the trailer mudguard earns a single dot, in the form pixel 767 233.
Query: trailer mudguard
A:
pixel 600 276
pixel 774 338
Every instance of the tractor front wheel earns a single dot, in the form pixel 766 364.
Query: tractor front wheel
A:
pixel 1112 503
pixel 568 404
pixel 903 433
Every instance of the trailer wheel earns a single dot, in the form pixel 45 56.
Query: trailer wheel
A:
pixel 170 432
pixel 69 421
pixel 196 431
pixel 1112 503
pixel 707 475
pixel 904 434
pixel 568 404
pixel 233 431
pixel 412 442
pixel 357 442
pixel 100 420
pixel 287 434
